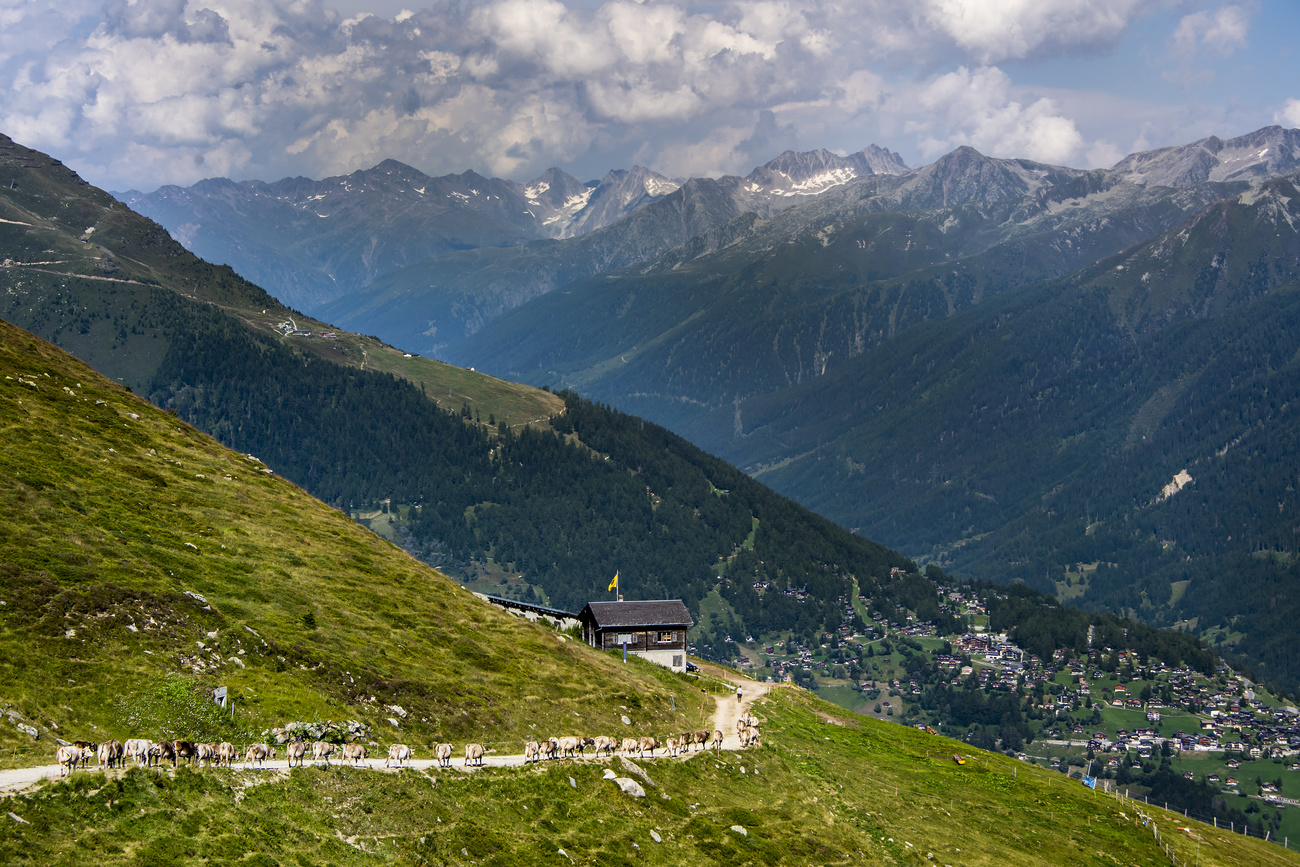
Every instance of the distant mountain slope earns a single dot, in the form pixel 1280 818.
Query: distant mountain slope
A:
pixel 796 175
pixel 1136 415
pixel 313 241
pixel 1265 153
pixel 778 302
pixel 99 280
pixel 436 304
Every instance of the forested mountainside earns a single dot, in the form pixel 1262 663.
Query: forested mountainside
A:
pixel 1127 430
pixel 142 564
pixel 568 507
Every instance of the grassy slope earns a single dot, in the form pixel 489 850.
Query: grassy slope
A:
pixel 866 792
pixel 113 270
pixel 106 520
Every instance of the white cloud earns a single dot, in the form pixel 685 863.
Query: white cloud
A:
pixel 1220 32
pixel 712 156
pixel 1205 34
pixel 144 92
pixel 643 34
pixel 1289 114
pixel 1103 154
pixel 998 30
pixel 975 107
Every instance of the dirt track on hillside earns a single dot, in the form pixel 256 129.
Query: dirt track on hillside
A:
pixel 725 715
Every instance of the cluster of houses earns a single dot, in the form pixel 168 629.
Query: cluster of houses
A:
pixel 1233 721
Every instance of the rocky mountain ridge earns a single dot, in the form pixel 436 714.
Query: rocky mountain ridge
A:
pixel 312 241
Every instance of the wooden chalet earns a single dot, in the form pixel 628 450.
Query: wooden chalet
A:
pixel 654 630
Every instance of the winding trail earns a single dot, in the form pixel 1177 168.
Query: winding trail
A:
pixel 725 715
pixel 729 710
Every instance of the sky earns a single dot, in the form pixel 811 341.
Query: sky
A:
pixel 141 93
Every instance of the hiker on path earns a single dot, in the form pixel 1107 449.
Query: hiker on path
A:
pixel 739 693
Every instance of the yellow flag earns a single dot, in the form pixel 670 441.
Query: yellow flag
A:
pixel 613 583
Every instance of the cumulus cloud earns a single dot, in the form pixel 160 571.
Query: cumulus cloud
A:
pixel 1289 114
pixel 1207 34
pixel 975 107
pixel 143 92
pixel 1220 32
pixel 998 30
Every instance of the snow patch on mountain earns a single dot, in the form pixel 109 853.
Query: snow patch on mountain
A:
pixel 818 183
pixel 658 186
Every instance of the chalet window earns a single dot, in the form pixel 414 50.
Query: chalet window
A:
pixel 665 637
pixel 625 638
pixel 677 660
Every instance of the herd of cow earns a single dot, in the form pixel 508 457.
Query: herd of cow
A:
pixel 146 753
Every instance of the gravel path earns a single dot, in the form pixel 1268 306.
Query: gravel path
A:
pixel 724 719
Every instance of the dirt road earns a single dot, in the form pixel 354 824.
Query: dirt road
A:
pixel 726 713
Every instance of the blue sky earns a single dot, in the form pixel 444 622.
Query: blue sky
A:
pixel 138 93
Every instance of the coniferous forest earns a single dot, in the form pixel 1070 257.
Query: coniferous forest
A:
pixel 567 507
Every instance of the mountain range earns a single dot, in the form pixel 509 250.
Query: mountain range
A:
pixel 310 242
pixel 994 364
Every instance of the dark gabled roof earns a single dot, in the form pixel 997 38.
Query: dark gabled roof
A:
pixel 659 612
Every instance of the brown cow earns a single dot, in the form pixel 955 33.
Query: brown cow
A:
pixel 110 753
pixel 184 750
pixel 226 753
pixel 138 749
pixel 401 753
pixel 355 753
pixel 322 750
pixel 161 751
pixel 295 750
pixel 205 753
pixel 71 756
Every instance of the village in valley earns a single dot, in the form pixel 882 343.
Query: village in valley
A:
pixel 1110 717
